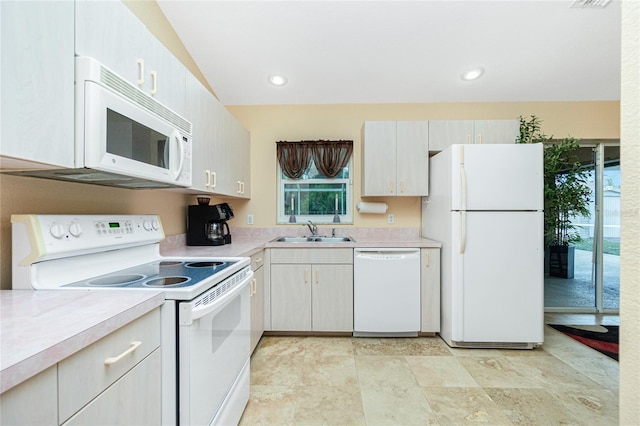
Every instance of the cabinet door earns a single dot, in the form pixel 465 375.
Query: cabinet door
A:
pixel 243 158
pixel 226 181
pixel 379 158
pixel 257 306
pixel 199 109
pixel 291 297
pixel 32 402
pixel 496 131
pixel 167 85
pixel 430 290
pixel 238 142
pixel 443 133
pixel 332 297
pixel 37 102
pixel 109 32
pixel 412 164
pixel 135 399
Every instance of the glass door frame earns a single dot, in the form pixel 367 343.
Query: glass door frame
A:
pixel 598 147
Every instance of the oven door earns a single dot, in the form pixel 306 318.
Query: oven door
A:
pixel 213 348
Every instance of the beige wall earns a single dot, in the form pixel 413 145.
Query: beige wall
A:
pixel 268 124
pixel 32 195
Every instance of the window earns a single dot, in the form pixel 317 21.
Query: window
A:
pixel 312 196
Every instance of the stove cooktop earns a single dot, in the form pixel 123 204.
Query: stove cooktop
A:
pixel 160 274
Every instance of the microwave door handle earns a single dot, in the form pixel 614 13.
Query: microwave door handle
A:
pixel 176 137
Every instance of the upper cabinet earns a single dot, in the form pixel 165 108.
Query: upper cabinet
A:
pixel 239 158
pixel 395 158
pixel 443 133
pixel 220 145
pixel 37 102
pixel 109 32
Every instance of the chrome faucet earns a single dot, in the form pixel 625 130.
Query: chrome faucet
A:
pixel 313 228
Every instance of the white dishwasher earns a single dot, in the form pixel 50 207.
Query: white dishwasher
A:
pixel 386 292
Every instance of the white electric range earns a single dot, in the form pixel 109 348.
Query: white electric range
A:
pixel 205 319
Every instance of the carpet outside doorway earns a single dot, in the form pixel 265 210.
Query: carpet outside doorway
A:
pixel 603 338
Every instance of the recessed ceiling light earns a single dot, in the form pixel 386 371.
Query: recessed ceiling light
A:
pixel 473 74
pixel 278 80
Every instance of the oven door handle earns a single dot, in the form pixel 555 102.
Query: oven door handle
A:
pixel 189 312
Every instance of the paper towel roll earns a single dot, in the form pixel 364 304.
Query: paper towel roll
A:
pixel 372 207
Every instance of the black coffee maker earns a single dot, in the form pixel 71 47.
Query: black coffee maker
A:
pixel 207 225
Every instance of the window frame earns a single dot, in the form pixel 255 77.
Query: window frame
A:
pixel 282 217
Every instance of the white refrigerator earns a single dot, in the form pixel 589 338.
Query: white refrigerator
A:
pixel 485 206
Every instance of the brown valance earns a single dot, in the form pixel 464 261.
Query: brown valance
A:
pixel 294 158
pixel 330 157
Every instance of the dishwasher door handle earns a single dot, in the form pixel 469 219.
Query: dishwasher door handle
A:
pixel 387 254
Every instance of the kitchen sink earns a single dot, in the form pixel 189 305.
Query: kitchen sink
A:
pixel 316 239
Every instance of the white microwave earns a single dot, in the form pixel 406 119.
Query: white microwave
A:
pixel 123 137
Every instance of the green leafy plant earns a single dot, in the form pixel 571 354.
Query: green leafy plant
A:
pixel 566 193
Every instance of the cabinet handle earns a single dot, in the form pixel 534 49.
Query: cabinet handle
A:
pixel 468 138
pixel 317 277
pixel 426 259
pixel 242 187
pixel 113 360
pixel 214 180
pixel 306 275
pixel 479 138
pixel 207 173
pixel 140 72
pixel 238 186
pixel 402 187
pixel 390 187
pixel 253 287
pixel 154 82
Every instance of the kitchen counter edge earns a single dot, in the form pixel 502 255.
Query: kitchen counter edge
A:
pixel 245 248
pixel 38 329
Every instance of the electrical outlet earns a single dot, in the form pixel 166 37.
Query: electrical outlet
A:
pixel 249 219
pixel 391 218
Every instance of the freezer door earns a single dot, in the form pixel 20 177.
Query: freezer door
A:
pixel 497 177
pixel 498 278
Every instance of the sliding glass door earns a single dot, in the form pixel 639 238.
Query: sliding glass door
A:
pixel 595 284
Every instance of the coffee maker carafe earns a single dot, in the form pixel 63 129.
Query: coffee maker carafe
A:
pixel 207 225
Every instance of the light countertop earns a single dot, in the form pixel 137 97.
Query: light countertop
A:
pixel 241 247
pixel 40 328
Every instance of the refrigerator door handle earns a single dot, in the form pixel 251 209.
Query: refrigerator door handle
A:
pixel 463 231
pixel 463 201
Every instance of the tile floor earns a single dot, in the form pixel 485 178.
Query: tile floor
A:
pixel 371 381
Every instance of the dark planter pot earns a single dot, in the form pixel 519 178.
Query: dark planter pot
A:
pixel 561 261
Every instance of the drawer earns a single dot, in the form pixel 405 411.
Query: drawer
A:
pixel 313 255
pixel 134 399
pixel 84 375
pixel 257 260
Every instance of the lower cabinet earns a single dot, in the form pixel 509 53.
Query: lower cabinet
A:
pixel 257 298
pixel 132 400
pixel 114 381
pixel 311 290
pixel 32 402
pixel 430 290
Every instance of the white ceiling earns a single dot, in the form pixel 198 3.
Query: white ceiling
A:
pixel 336 52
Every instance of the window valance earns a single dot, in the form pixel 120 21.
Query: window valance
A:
pixel 330 157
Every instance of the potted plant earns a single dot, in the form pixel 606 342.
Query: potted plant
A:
pixel 566 195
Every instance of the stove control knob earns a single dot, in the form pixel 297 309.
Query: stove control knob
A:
pixel 75 229
pixel 155 225
pixel 146 225
pixel 57 230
